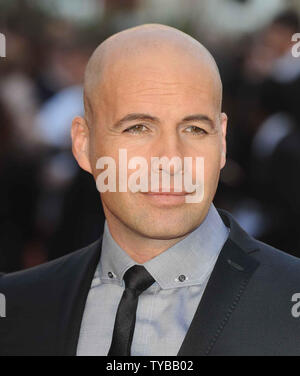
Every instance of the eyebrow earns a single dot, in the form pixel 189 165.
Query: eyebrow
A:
pixel 200 118
pixel 147 117
pixel 134 117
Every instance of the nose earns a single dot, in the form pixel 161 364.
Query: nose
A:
pixel 167 147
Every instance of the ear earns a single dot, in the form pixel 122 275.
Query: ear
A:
pixel 223 135
pixel 80 143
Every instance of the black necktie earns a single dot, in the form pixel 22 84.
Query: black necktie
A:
pixel 137 279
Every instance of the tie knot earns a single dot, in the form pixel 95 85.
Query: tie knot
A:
pixel 138 278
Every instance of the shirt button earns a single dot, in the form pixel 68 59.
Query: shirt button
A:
pixel 181 278
pixel 110 275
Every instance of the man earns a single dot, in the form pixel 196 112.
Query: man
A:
pixel 169 276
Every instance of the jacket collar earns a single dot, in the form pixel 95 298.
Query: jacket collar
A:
pixel 79 278
pixel 232 272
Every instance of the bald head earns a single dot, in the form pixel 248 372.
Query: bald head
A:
pixel 158 46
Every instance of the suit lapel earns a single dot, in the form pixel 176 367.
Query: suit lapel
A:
pixel 77 286
pixel 225 287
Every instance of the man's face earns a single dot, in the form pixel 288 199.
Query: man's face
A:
pixel 168 90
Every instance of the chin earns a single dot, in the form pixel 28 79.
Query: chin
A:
pixel 165 234
pixel 165 228
pixel 164 223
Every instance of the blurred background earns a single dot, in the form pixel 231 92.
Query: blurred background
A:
pixel 49 207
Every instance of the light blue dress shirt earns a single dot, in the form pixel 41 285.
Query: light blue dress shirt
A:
pixel 166 309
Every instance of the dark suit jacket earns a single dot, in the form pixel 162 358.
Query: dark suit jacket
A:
pixel 245 309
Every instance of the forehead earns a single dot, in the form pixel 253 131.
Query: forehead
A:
pixel 157 81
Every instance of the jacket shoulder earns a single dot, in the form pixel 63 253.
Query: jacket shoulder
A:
pixel 274 258
pixel 48 271
pixel 271 260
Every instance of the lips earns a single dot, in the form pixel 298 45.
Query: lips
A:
pixel 166 193
pixel 165 199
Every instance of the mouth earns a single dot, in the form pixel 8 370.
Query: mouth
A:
pixel 166 193
pixel 165 198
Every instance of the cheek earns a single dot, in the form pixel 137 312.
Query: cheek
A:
pixel 222 160
pixel 100 147
pixel 212 166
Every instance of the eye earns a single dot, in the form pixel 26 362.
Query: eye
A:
pixel 194 130
pixel 135 129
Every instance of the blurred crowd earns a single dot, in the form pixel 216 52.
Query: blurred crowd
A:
pixel 49 207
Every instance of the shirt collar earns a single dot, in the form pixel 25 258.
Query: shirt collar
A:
pixel 114 261
pixel 187 263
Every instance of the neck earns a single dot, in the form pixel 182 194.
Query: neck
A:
pixel 140 248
